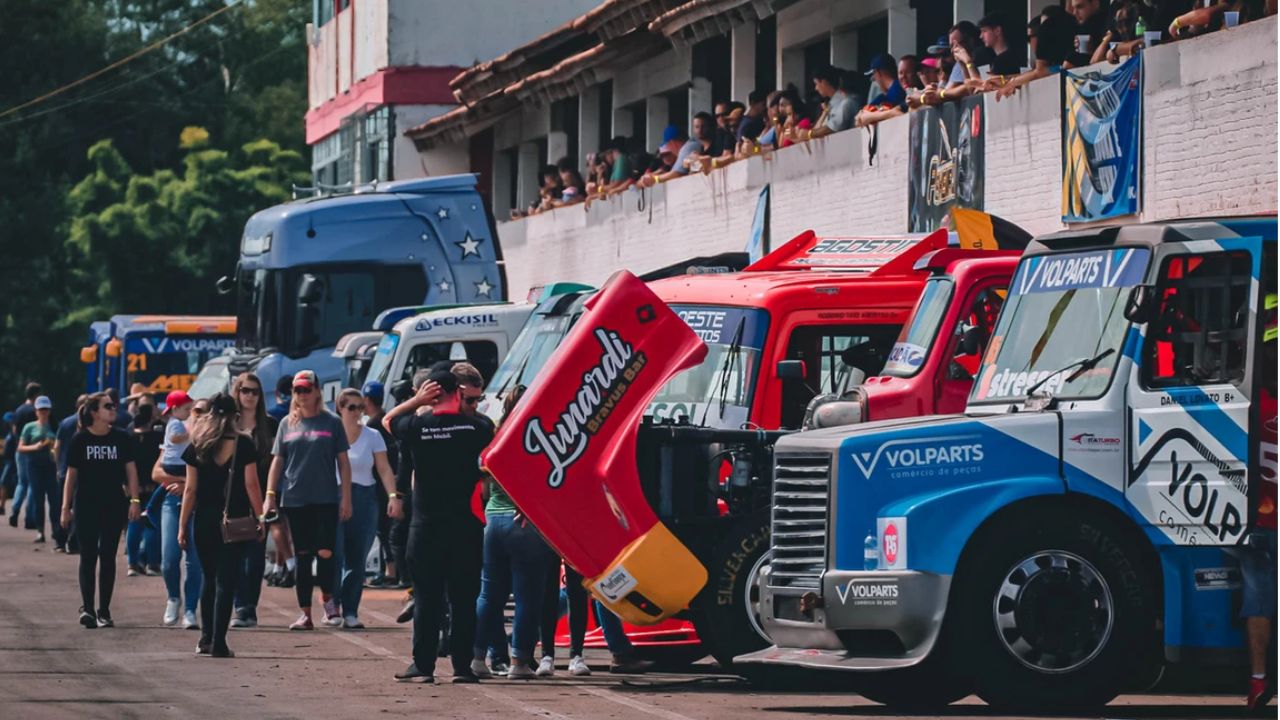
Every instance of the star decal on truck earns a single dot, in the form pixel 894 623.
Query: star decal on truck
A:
pixel 483 288
pixel 470 246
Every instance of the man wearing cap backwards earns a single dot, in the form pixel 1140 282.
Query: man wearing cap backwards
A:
pixel 35 449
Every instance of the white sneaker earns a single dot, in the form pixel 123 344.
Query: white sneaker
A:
pixel 189 621
pixel 480 669
pixel 578 666
pixel 520 672
pixel 546 667
pixel 351 622
pixel 171 611
pixel 332 617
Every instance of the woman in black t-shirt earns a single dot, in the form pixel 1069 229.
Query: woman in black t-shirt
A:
pixel 222 480
pixel 101 474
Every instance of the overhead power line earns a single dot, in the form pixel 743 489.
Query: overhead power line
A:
pixel 122 61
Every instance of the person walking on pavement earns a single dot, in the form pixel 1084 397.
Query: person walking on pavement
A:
pixel 222 484
pixel 310 441
pixel 35 450
pixel 254 421
pixel 184 597
pixel 142 537
pixel 373 394
pixel 23 414
pixel 443 449
pixel 67 428
pixel 8 465
pixel 102 480
pixel 284 392
pixel 369 465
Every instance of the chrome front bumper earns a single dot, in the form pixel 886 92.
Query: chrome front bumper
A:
pixel 876 620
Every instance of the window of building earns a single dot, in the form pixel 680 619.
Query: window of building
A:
pixel 712 59
pixel 766 54
pixel 321 12
pixel 564 118
pixel 374 141
pixel 325 156
pixel 678 108
pixel 1200 332
pixel 604 113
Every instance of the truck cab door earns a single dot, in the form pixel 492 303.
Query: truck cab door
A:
pixel 965 343
pixel 1189 395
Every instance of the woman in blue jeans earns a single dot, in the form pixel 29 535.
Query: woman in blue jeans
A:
pixel 183 597
pixel 261 427
pixel 369 464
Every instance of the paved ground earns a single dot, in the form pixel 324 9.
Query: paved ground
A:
pixel 50 667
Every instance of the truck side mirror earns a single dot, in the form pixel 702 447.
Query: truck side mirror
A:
pixel 310 289
pixel 308 317
pixel 1141 305
pixel 791 370
pixel 225 285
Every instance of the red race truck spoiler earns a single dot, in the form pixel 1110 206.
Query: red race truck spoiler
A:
pixel 566 454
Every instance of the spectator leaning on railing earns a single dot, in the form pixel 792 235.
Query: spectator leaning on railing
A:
pixel 841 107
pixel 892 100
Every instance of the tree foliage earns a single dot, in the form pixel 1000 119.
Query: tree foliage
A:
pixel 129 193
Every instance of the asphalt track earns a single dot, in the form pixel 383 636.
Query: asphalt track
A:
pixel 51 667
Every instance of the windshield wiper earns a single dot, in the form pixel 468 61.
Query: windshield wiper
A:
pixel 1082 366
pixel 730 360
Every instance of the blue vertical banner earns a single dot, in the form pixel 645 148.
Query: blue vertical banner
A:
pixel 1102 142
pixel 758 244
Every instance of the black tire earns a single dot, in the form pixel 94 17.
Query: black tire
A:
pixel 725 618
pixel 1069 629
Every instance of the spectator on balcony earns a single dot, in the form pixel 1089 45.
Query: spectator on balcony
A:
pixel 1123 32
pixel 1033 29
pixel 768 139
pixel 1188 22
pixel 703 146
pixel 892 98
pixel 1091 20
pixel 929 72
pixel 794 114
pixel 754 117
pixel 571 180
pixel 909 73
pixel 969 54
pixel 841 107
pixel 992 31
pixel 615 154
pixel 1054 40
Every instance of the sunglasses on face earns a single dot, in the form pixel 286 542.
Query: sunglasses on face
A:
pixel 107 406
pixel 250 391
pixel 473 399
pixel 199 410
pixel 351 406
pixel 302 391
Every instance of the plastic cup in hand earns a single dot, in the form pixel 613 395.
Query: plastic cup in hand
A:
pixel 984 71
pixel 1231 19
pixel 1152 38
pixel 1082 43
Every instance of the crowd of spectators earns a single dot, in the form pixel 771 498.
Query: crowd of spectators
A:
pixel 970 59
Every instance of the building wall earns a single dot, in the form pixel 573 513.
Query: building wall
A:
pixel 407 162
pixel 448 32
pixel 1210 148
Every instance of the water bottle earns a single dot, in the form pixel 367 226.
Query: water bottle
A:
pixel 1140 30
pixel 870 553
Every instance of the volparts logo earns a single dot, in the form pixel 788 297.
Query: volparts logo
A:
pixel 922 454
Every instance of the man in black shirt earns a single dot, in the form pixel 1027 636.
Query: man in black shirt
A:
pixel 991 29
pixel 446 540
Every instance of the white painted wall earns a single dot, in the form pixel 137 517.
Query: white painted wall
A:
pixel 1210 148
pixel 408 163
pixel 447 32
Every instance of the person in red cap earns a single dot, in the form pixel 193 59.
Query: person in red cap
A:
pixel 311 440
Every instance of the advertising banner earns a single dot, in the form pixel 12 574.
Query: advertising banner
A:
pixel 947 164
pixel 1101 142
pixel 567 453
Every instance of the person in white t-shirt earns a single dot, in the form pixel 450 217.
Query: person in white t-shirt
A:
pixel 369 466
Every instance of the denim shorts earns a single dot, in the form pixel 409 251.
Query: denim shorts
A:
pixel 1258 571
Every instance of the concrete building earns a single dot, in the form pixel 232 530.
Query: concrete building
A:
pixel 378 67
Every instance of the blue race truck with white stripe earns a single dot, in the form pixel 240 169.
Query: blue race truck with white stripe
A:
pixel 1072 532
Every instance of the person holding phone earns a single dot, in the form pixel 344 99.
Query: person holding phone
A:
pixel 101 480
pixel 310 441
pixel 35 448
pixel 222 483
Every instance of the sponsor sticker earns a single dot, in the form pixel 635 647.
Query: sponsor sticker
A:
pixel 159 345
pixel 1119 267
pixel 616 584
pixel 893 542
pixel 1219 578
pixel 923 457
pixel 1090 442
pixel 867 592
pixel 481 320
pixel 905 358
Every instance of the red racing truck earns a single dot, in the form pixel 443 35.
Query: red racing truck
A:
pixel 840 329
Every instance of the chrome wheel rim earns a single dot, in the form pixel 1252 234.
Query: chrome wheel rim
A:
pixel 751 596
pixel 1054 612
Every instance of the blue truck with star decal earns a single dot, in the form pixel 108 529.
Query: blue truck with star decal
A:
pixel 1078 529
pixel 311 271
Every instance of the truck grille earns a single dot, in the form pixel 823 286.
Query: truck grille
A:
pixel 801 486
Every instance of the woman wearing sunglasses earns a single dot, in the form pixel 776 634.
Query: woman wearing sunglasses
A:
pixel 261 428
pixel 101 476
pixel 369 465
pixel 311 439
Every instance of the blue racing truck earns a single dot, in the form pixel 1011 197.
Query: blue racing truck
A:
pixel 163 353
pixel 313 270
pixel 1078 528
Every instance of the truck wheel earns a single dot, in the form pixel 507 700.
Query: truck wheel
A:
pixel 728 623
pixel 1051 612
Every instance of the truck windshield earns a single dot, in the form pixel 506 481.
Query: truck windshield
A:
pixel 1062 308
pixel 347 297
pixel 381 364
pixel 529 353
pixel 717 393
pixel 908 354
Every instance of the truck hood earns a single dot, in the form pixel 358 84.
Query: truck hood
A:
pixel 566 454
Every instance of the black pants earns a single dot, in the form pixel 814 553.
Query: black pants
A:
pixel 220 562
pixel 551 610
pixel 399 536
pixel 99 526
pixel 445 555
pixel 313 528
